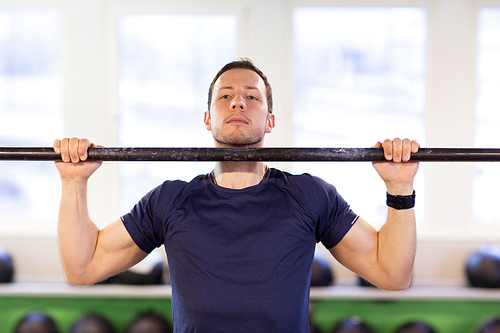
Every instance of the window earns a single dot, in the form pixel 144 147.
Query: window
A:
pixel 166 65
pixel 487 114
pixel 30 110
pixel 359 77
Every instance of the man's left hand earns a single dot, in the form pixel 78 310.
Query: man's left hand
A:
pixel 398 176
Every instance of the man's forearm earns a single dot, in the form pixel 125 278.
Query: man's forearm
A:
pixel 397 246
pixel 77 234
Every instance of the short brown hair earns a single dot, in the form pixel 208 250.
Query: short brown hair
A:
pixel 243 63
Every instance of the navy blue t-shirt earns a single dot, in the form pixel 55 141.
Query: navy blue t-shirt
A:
pixel 240 260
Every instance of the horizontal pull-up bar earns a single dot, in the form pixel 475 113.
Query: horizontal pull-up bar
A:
pixel 253 154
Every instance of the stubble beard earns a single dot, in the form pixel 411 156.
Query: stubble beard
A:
pixel 238 141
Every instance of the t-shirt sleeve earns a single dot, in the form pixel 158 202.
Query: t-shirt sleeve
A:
pixel 141 222
pixel 335 216
pixel 146 221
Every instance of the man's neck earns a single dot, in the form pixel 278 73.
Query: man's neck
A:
pixel 239 175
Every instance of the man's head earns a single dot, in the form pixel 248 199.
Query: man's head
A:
pixel 243 63
pixel 239 108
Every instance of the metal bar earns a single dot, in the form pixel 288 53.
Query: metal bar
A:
pixel 253 154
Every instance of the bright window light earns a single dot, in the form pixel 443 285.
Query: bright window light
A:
pixel 166 65
pixel 359 77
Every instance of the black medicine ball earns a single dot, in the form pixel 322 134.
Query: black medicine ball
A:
pixel 92 323
pixel 483 267
pixel 321 274
pixel 154 276
pixel 148 272
pixel 490 326
pixel 362 282
pixel 313 328
pixel 36 322
pixel 149 322
pixel 415 327
pixel 352 325
pixel 6 266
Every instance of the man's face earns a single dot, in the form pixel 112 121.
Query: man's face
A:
pixel 238 115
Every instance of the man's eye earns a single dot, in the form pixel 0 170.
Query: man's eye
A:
pixel 224 97
pixel 252 97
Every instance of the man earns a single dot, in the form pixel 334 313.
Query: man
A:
pixel 240 241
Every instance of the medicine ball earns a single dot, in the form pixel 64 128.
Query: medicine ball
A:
pixel 6 266
pixel 362 282
pixel 149 322
pixel 313 328
pixel 148 272
pixel 490 326
pixel 352 325
pixel 483 267
pixel 36 322
pixel 135 277
pixel 92 323
pixel 415 327
pixel 321 274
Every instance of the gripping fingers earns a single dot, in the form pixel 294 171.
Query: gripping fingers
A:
pixel 392 149
pixel 415 146
pixel 72 150
pixel 407 148
pixel 83 145
pixel 64 150
pixel 57 146
pixel 398 150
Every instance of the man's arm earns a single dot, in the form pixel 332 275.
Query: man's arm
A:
pixel 386 257
pixel 88 255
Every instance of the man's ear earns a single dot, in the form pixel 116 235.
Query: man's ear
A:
pixel 270 122
pixel 206 120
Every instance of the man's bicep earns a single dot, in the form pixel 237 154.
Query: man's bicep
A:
pixel 116 251
pixel 358 249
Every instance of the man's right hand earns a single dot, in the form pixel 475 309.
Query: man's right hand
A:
pixel 73 152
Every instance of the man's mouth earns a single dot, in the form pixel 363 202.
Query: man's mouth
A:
pixel 237 120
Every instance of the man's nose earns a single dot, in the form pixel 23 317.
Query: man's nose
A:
pixel 238 103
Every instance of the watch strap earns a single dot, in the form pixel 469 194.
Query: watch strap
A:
pixel 401 201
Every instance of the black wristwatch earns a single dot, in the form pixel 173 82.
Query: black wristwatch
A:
pixel 401 201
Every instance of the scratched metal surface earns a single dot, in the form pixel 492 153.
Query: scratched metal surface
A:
pixel 254 154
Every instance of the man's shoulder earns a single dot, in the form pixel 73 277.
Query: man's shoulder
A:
pixel 304 179
pixel 180 185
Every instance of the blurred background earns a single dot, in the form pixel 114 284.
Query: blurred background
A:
pixel 344 74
